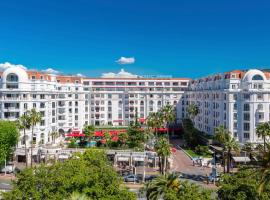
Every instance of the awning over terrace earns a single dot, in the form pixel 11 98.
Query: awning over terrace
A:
pixel 241 159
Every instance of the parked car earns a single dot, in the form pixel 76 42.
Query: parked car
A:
pixel 131 178
pixel 8 169
pixel 150 177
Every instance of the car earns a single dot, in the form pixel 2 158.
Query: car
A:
pixel 150 177
pixel 8 169
pixel 131 178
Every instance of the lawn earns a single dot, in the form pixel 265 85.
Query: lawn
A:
pixel 193 154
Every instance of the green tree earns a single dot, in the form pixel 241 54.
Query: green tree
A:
pixel 54 135
pixel 23 123
pixel 190 133
pixel 230 145
pixel 168 116
pixel 264 171
pixel 170 187
pixel 34 118
pixel 107 138
pixel 9 136
pixel 193 111
pixel 89 131
pixel 222 135
pixel 90 174
pixel 163 149
pixel 154 121
pixel 122 138
pixel 78 196
pixel 263 130
pixel 242 185
pixel 135 137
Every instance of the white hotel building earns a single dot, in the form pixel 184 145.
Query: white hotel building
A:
pixel 238 99
pixel 70 102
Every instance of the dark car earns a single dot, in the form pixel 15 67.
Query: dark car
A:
pixel 150 177
pixel 131 178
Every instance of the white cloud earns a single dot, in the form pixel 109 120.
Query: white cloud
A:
pixel 126 61
pixel 80 75
pixel 51 71
pixel 6 65
pixel 121 74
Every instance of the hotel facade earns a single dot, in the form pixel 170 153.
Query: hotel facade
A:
pixel 69 102
pixel 239 100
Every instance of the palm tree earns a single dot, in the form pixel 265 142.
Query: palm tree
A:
pixel 34 118
pixel 263 130
pixel 154 121
pixel 168 116
pixel 23 123
pixel 249 149
pixel 193 111
pixel 89 131
pixel 230 145
pixel 54 135
pixel 163 150
pixel 157 188
pixel 221 135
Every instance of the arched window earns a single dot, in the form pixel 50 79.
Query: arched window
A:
pixel 12 81
pixel 257 77
pixel 151 102
pixel 12 78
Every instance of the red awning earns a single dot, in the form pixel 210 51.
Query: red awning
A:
pixel 75 134
pixel 99 134
pixel 119 120
pixel 141 120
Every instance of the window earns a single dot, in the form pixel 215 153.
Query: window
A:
pixel 246 126
pixel 246 116
pixel 246 135
pixel 260 96
pixel 246 96
pixel 257 78
pixel 246 107
pixel 235 116
pixel 235 106
pixel 261 115
pixel 260 107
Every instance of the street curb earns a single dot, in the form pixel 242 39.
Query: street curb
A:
pixel 187 154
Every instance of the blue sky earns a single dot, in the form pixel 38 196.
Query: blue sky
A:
pixel 183 38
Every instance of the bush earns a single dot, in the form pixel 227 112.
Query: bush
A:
pixel 202 150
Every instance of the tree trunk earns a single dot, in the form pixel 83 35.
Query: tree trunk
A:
pixel 25 149
pixel 264 144
pixel 32 145
pixel 224 162
pixel 159 164
pixel 165 165
pixel 228 161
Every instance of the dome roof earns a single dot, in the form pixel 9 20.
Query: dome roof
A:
pixel 254 74
pixel 20 72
